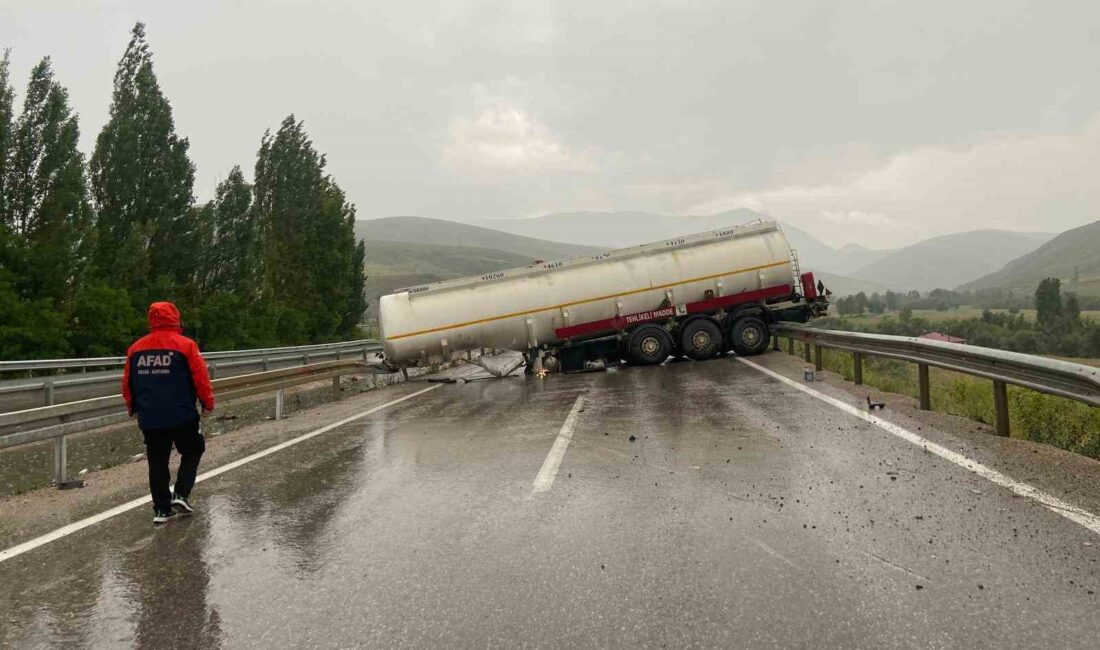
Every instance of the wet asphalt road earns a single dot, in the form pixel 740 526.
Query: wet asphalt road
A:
pixel 744 514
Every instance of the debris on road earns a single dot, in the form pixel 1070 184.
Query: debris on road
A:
pixel 875 405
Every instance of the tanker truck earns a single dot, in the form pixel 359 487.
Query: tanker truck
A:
pixel 696 296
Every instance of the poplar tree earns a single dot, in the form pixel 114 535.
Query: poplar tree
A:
pixel 288 183
pixel 235 262
pixel 312 265
pixel 142 180
pixel 47 193
pixel 7 103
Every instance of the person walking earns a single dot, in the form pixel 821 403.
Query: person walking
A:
pixel 164 376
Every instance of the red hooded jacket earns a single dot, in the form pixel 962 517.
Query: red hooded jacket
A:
pixel 165 373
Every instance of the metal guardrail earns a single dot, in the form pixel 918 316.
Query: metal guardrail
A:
pixel 58 421
pixel 110 362
pixel 1062 378
pixel 217 362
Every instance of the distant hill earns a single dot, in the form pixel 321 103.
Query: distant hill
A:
pixel 842 285
pixel 950 260
pixel 852 257
pixel 422 230
pixel 1073 252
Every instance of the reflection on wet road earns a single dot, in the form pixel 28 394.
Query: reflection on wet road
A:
pixel 741 513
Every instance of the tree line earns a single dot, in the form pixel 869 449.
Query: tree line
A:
pixel 946 299
pixel 86 244
pixel 1058 328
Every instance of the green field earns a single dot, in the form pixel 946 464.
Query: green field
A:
pixel 935 315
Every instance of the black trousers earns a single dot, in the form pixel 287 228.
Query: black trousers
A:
pixel 158 445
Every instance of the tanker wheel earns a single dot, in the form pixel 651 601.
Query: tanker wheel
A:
pixel 648 345
pixel 749 336
pixel 700 339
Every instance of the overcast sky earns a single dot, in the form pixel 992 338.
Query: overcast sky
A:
pixel 871 122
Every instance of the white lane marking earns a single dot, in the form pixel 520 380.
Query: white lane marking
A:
pixel 1067 510
pixel 549 471
pixel 65 531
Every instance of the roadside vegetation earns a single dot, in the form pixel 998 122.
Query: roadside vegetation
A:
pixel 1054 326
pixel 86 244
pixel 1033 416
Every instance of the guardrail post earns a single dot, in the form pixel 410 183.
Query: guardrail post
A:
pixel 790 345
pixel 806 350
pixel 1000 407
pixel 336 383
pixel 305 359
pixel 775 342
pixel 267 363
pixel 280 398
pixel 817 358
pixel 47 389
pixel 857 368
pixel 60 460
pixel 212 370
pixel 925 387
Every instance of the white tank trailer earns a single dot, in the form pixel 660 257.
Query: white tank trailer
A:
pixel 696 296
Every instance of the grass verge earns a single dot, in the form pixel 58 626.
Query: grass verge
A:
pixel 1033 416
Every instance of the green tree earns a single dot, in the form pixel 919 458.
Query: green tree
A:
pixel 7 107
pixel 236 252
pixel 142 181
pixel 29 329
pixel 105 321
pixel 860 304
pixel 47 192
pixel 312 266
pixel 893 300
pixel 288 183
pixel 1073 308
pixel 1048 301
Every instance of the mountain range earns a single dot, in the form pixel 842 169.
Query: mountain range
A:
pixel 1073 257
pixel 950 260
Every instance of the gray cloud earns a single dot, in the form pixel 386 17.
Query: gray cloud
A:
pixel 870 121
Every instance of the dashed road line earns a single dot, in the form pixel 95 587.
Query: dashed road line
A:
pixel 1053 503
pixel 549 471
pixel 65 531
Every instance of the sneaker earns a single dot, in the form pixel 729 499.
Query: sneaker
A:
pixel 161 517
pixel 180 505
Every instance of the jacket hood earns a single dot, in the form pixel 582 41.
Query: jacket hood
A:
pixel 163 316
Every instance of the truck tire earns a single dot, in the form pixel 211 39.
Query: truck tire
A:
pixel 700 339
pixel 749 336
pixel 648 345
